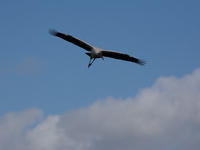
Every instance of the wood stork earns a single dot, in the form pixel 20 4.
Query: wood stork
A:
pixel 96 52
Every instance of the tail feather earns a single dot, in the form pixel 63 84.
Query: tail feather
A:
pixel 89 54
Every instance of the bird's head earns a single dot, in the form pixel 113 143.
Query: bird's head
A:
pixel 100 55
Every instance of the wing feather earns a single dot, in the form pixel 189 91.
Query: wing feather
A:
pixel 122 56
pixel 71 39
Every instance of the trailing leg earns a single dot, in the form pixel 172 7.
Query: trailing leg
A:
pixel 90 63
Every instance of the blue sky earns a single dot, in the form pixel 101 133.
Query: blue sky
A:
pixel 43 74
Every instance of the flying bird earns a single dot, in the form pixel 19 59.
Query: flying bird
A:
pixel 95 52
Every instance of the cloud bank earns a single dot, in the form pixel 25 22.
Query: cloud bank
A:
pixel 164 116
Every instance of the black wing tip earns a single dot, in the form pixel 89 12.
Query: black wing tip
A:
pixel 141 62
pixel 53 32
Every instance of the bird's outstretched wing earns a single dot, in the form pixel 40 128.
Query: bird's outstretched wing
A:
pixel 71 39
pixel 122 56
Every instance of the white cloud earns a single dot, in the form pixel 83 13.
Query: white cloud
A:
pixel 28 65
pixel 13 128
pixel 164 116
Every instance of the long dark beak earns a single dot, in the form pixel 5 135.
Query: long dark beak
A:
pixel 102 57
